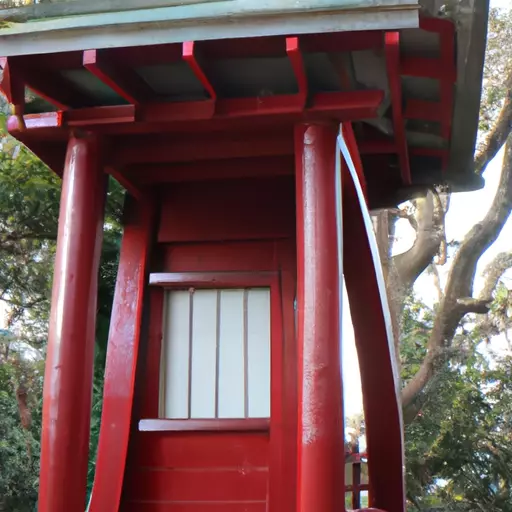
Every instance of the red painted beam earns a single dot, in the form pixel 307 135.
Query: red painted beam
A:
pixel 48 84
pixel 145 174
pixel 349 105
pixel 274 46
pixel 122 357
pixel 426 67
pixel 321 439
pixel 297 61
pixel 121 79
pixel 392 45
pixel 206 425
pixel 88 117
pixel 190 57
pixel 350 139
pixel 177 111
pixel 264 105
pixel 425 110
pixel 350 101
pixel 71 336
pixel 375 347
pixel 221 146
pixel 128 184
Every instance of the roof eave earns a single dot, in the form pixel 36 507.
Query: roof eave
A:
pixel 203 21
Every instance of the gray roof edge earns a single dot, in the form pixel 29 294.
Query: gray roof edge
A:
pixel 203 21
pixel 472 19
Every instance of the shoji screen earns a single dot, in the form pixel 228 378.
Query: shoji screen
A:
pixel 216 354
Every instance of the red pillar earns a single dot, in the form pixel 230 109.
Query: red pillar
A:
pixel 320 440
pixel 69 362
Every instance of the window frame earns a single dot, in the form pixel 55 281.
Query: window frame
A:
pixel 166 281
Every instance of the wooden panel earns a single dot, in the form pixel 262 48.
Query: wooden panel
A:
pixel 234 210
pixel 258 353
pixel 199 450
pixel 206 425
pixel 204 354
pixel 241 506
pixel 231 256
pixel 176 355
pixel 231 357
pixel 247 483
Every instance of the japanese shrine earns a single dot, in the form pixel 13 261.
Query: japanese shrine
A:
pixel 253 138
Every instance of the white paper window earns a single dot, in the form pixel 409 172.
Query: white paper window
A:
pixel 216 354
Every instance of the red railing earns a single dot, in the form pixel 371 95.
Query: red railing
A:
pixel 354 473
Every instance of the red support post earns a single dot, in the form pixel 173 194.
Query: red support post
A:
pixel 69 362
pixel 123 354
pixel 321 439
pixel 375 349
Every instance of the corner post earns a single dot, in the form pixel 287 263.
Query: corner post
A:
pixel 320 437
pixel 70 358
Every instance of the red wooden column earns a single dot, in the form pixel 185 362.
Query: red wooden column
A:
pixel 320 440
pixel 69 362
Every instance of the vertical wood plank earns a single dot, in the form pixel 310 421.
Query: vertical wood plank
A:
pixel 258 353
pixel 204 354
pixel 231 361
pixel 176 354
pixel 122 356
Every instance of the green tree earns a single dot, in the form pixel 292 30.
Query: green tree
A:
pixel 459 446
pixel 21 381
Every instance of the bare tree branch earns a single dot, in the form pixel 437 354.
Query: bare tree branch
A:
pixel 384 229
pixel 498 135
pixel 429 235
pixel 437 281
pixel 493 273
pixel 459 286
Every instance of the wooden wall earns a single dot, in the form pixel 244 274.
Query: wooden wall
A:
pixel 239 226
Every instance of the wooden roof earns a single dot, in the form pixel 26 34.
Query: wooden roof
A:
pixel 413 97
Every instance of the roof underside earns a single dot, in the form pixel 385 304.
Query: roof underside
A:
pixel 167 110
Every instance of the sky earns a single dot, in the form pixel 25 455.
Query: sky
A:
pixel 466 209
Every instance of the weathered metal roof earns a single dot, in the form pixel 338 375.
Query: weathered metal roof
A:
pixel 82 24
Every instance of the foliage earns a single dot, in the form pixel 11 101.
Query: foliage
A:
pixel 459 447
pixel 497 66
pixel 19 447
